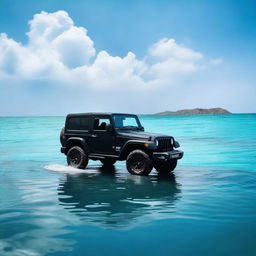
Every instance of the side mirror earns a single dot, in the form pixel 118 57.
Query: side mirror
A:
pixel 176 144
pixel 142 128
pixel 109 127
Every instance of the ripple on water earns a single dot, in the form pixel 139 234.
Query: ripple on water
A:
pixel 111 198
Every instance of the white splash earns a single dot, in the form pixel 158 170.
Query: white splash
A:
pixel 68 169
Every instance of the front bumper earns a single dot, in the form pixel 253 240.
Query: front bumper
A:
pixel 63 150
pixel 170 155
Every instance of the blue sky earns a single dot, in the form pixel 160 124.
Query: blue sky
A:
pixel 218 37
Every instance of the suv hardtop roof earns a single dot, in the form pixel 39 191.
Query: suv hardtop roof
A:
pixel 98 114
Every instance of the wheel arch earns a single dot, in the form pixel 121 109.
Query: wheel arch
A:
pixel 130 146
pixel 72 141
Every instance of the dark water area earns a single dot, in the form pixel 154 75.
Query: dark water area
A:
pixel 206 207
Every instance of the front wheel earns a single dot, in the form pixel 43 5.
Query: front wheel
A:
pixel 139 163
pixel 165 167
pixel 76 157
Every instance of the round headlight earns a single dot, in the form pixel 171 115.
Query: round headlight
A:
pixel 156 141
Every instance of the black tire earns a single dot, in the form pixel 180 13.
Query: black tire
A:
pixel 76 157
pixel 139 162
pixel 108 161
pixel 165 167
pixel 62 141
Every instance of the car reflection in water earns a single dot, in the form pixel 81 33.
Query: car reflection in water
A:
pixel 118 200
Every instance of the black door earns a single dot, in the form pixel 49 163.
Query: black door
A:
pixel 102 141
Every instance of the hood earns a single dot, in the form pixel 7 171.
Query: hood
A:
pixel 140 134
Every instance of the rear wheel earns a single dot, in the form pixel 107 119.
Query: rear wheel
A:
pixel 108 161
pixel 139 163
pixel 76 157
pixel 165 167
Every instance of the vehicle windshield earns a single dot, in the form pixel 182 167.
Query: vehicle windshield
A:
pixel 127 122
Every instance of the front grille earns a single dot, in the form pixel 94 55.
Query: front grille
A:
pixel 165 143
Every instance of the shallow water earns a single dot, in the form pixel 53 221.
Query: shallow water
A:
pixel 207 207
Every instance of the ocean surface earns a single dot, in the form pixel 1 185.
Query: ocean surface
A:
pixel 207 207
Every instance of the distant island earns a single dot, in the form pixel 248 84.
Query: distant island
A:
pixel 195 111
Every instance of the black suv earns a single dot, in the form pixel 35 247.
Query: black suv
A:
pixel 109 137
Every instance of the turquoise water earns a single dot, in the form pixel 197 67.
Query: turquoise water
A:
pixel 207 207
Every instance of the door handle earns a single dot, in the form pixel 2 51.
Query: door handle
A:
pixel 94 135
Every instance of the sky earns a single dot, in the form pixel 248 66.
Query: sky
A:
pixel 58 57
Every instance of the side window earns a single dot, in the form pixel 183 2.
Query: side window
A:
pixel 101 123
pixel 78 123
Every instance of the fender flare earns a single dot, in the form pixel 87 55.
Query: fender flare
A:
pixel 140 143
pixel 77 141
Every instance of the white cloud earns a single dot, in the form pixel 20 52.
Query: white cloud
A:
pixel 61 60
pixel 60 51
pixel 56 34
pixel 11 54
pixel 173 60
pixel 108 71
pixel 169 49
pixel 73 47
pixel 45 27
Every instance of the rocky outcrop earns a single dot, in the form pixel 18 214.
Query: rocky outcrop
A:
pixel 196 111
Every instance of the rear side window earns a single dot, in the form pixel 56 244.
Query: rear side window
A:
pixel 78 123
